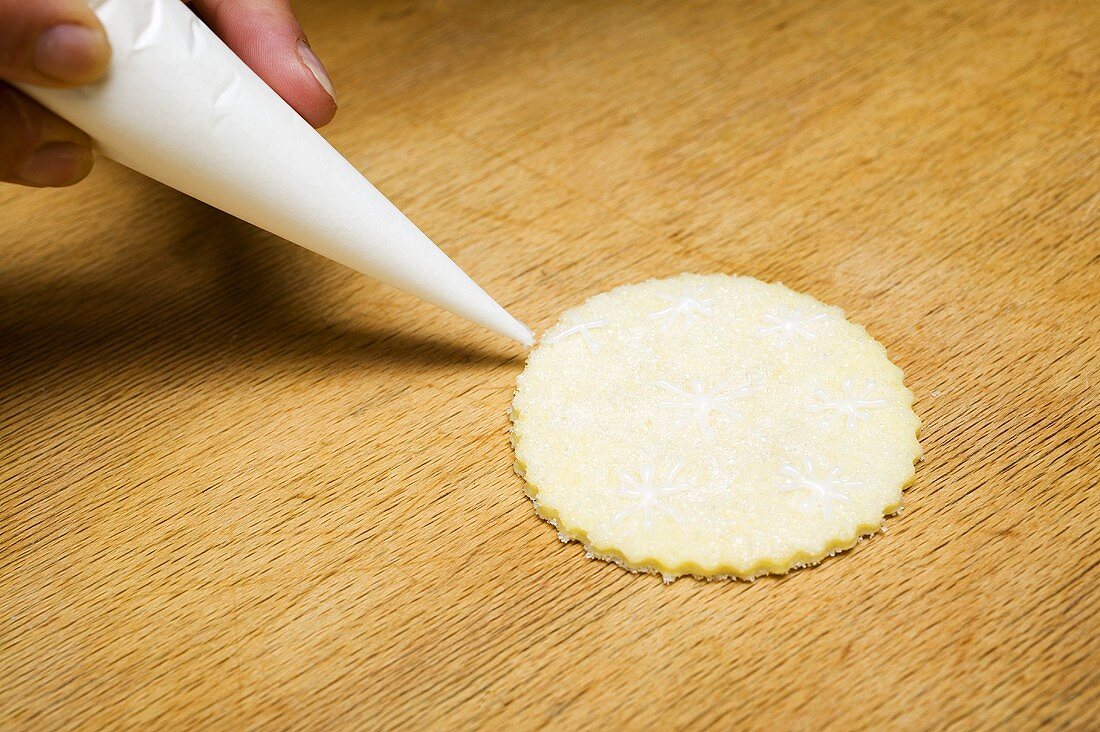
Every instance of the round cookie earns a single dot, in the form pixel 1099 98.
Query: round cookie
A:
pixel 714 426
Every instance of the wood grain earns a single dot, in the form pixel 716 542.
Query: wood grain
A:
pixel 241 487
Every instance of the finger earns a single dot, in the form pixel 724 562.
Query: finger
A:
pixel 267 37
pixel 51 42
pixel 38 148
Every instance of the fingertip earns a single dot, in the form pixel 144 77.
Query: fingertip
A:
pixel 55 165
pixel 320 113
pixel 289 69
pixel 318 107
pixel 316 68
pixel 267 37
pixel 72 53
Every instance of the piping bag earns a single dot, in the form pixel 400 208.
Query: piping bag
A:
pixel 179 106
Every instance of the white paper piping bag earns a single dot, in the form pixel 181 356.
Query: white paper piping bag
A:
pixel 180 107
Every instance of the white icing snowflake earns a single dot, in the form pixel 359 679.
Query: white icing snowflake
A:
pixel 698 402
pixel 581 329
pixel 824 488
pixel 682 304
pixel 789 325
pixel 647 494
pixel 852 407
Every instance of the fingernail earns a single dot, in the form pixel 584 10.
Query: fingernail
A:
pixel 309 58
pixel 55 164
pixel 70 53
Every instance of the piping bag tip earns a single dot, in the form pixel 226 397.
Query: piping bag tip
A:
pixel 485 311
pixel 522 333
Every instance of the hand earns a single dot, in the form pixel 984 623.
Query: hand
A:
pixel 61 43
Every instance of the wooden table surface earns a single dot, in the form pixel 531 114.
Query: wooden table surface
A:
pixel 241 486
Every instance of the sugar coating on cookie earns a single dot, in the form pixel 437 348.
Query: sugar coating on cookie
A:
pixel 712 425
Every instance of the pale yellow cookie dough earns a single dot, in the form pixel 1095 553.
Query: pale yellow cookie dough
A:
pixel 714 426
